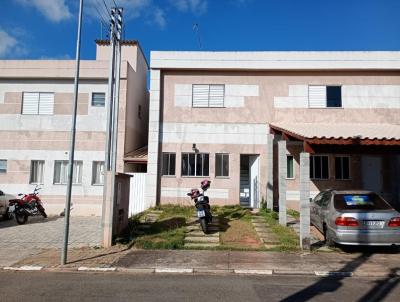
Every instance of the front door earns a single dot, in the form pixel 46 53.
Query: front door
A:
pixel 372 173
pixel 249 181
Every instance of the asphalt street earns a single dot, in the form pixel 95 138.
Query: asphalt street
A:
pixel 49 286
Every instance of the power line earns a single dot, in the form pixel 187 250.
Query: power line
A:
pixel 101 16
pixel 104 7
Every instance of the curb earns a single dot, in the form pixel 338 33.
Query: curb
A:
pixel 197 271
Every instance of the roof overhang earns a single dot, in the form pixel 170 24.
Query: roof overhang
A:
pixel 350 137
pixel 138 156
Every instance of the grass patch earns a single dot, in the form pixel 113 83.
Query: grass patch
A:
pixel 287 237
pixel 168 232
pixel 293 213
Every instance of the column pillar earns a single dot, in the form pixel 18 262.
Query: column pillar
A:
pixel 305 238
pixel 282 181
pixel 270 171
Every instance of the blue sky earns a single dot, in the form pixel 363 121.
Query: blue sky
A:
pixel 46 29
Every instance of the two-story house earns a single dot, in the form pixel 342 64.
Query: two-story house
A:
pixel 219 115
pixel 35 124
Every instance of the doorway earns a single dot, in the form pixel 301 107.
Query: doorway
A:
pixel 249 181
pixel 372 173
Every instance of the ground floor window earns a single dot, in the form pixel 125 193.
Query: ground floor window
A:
pixel 37 169
pixel 168 164
pixel 221 165
pixel 61 172
pixel 98 173
pixel 195 164
pixel 289 167
pixel 319 167
pixel 342 167
pixel 3 166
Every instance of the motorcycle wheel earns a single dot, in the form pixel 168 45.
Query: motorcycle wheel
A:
pixel 203 225
pixel 42 211
pixel 21 218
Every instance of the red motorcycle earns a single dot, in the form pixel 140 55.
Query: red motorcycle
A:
pixel 28 205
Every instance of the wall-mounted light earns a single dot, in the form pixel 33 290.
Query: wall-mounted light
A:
pixel 194 147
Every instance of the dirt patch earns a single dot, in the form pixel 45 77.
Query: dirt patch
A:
pixel 92 257
pixel 240 234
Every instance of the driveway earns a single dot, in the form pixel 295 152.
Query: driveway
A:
pixel 20 241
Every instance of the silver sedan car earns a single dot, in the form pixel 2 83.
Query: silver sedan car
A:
pixel 355 218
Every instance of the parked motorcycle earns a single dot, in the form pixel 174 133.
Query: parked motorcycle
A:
pixel 27 205
pixel 202 205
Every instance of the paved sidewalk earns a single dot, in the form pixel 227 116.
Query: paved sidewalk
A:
pixel 18 242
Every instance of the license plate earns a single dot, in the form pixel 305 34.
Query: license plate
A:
pixel 374 223
pixel 11 209
pixel 201 214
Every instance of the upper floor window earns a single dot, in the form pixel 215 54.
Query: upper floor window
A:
pixel 38 103
pixel 319 167
pixel 205 95
pixel 324 96
pixel 195 164
pixel 98 99
pixel 3 166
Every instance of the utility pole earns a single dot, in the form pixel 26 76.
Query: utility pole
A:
pixel 73 132
pixel 112 125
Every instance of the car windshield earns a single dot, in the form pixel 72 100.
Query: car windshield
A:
pixel 370 201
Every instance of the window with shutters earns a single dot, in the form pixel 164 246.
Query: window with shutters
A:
pixel 98 99
pixel 195 164
pixel 342 167
pixel 41 103
pixel 208 95
pixel 37 169
pixel 320 96
pixel 319 167
pixel 61 172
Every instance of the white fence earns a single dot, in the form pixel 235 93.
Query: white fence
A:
pixel 137 201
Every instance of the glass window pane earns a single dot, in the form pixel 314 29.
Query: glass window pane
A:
pixel 289 167
pixel 218 164
pixel 98 99
pixel 325 167
pixel 312 167
pixel 338 168
pixel 185 165
pixel 57 172
pixel 205 165
pixel 192 164
pixel 225 165
pixel 346 168
pixel 334 96
pixel 165 164
pixel 317 163
pixel 199 164
pixel 172 163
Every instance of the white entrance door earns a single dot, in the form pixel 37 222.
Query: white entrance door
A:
pixel 372 173
pixel 254 164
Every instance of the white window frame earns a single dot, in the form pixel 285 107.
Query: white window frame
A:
pixel 38 103
pixel 325 96
pixel 195 164
pixel 4 171
pixel 95 170
pixel 312 157
pixel 341 166
pixel 222 163
pixel 169 163
pixel 209 99
pixel 294 176
pixel 41 164
pixel 76 179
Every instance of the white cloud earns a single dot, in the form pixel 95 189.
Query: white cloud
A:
pixel 10 45
pixel 159 17
pixel 54 10
pixel 194 6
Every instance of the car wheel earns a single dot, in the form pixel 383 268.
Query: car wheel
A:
pixel 328 238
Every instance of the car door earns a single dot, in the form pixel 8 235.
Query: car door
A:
pixel 324 207
pixel 314 210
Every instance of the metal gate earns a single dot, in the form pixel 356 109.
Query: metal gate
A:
pixel 137 201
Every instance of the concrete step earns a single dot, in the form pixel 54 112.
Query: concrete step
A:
pixel 200 245
pixel 265 234
pixel 201 234
pixel 270 241
pixel 202 239
pixel 270 246
pixel 259 224
pixel 156 211
pixel 262 229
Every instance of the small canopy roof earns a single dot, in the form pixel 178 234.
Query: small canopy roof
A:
pixel 138 156
pixel 340 134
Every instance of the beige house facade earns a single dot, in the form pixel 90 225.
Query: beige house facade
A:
pixel 220 115
pixel 35 122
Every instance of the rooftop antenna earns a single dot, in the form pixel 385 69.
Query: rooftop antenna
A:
pixel 196 30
